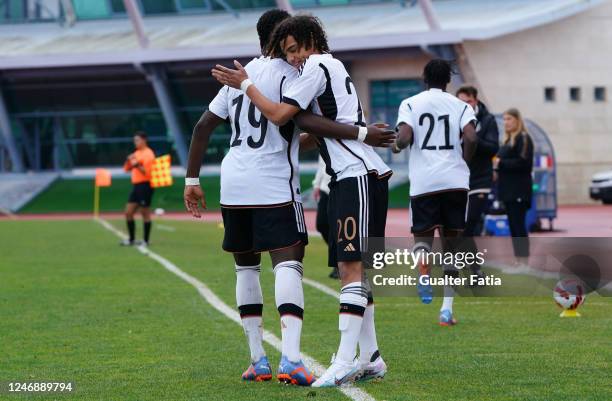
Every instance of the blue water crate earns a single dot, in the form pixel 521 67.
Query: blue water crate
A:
pixel 497 225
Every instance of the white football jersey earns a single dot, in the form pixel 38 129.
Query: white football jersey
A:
pixel 261 167
pixel 436 160
pixel 325 84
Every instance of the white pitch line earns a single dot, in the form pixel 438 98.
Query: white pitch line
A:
pixel 321 287
pixel 350 391
pixel 164 227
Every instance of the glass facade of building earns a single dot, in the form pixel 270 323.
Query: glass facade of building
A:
pixel 386 96
pixel 88 118
pixel 80 117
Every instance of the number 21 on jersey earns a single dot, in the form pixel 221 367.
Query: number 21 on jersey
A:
pixel 427 119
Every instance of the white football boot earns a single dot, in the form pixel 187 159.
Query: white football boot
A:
pixel 375 369
pixel 338 373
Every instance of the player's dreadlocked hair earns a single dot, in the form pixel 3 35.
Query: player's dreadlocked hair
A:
pixel 266 24
pixel 437 73
pixel 307 31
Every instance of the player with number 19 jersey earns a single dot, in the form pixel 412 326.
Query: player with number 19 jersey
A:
pixel 260 192
pixel 261 167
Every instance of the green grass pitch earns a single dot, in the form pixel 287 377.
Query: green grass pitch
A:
pixel 74 306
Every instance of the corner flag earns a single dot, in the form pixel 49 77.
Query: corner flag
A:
pixel 160 172
pixel 103 179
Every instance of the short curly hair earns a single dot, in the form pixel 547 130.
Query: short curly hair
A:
pixel 307 31
pixel 437 73
pixel 266 24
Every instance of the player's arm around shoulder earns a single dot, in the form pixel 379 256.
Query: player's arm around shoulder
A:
pixel 307 86
pixel 277 113
pixel 377 135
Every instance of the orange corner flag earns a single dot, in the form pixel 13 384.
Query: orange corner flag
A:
pixel 160 172
pixel 103 177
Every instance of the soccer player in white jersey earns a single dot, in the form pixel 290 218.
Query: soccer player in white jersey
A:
pixel 359 189
pixel 261 207
pixel 440 131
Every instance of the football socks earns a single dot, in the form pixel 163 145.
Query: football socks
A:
pixel 289 296
pixel 250 305
pixel 353 302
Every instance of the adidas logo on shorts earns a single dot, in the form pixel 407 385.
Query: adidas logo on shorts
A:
pixel 349 248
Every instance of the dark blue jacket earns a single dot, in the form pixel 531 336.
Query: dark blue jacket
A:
pixel 481 166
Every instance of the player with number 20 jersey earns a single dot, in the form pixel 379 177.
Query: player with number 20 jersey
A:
pixel 357 171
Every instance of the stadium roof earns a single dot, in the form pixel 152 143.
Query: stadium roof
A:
pixel 222 36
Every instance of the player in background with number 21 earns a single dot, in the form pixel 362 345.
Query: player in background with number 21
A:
pixel 441 132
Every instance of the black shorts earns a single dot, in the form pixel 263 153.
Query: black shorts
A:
pixel 263 229
pixel 142 193
pixel 442 209
pixel 357 210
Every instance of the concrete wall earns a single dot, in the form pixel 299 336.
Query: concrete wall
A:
pixel 364 71
pixel 513 71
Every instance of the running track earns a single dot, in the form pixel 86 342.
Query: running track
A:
pixel 572 221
